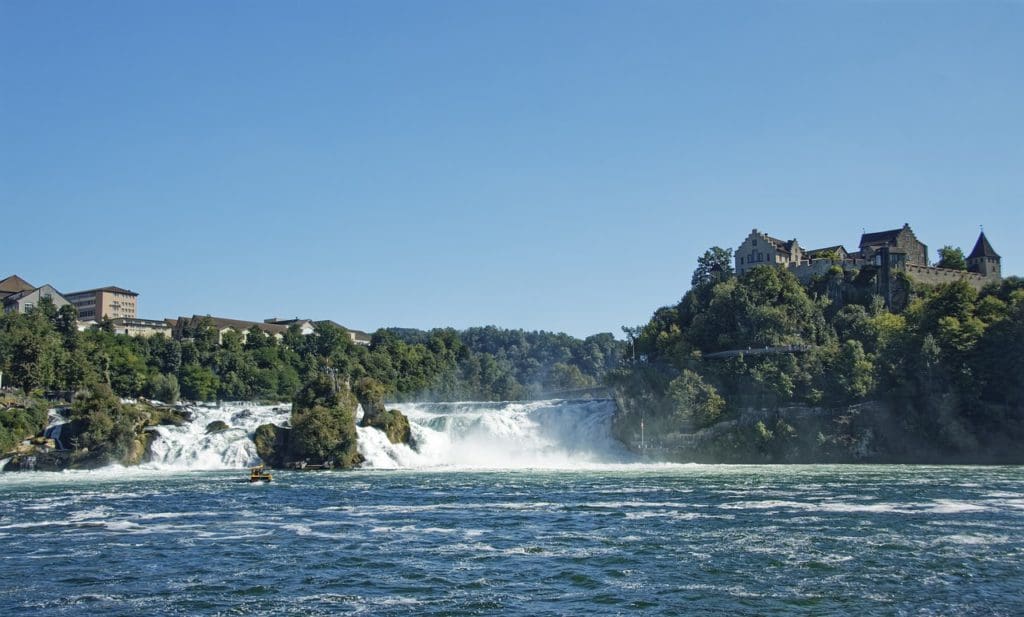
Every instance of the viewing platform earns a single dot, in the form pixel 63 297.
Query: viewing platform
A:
pixel 758 351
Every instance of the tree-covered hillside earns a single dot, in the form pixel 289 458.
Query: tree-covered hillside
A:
pixel 950 366
pixel 42 350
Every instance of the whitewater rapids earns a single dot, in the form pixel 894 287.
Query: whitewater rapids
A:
pixel 552 434
pixel 191 447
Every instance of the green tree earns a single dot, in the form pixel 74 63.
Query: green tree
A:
pixel 853 371
pixel 163 388
pixel 714 265
pixel 323 421
pixel 198 383
pixel 258 339
pixel 32 350
pixel 106 427
pixel 567 377
pixel 66 323
pixel 695 402
pixel 952 258
pixel 21 420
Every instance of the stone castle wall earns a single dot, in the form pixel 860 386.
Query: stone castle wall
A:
pixel 819 267
pixel 805 271
pixel 935 276
pixel 921 274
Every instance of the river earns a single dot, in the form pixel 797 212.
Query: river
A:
pixel 436 535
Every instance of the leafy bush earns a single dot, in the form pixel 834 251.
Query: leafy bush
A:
pixel 325 435
pixel 394 424
pixel 21 421
pixel 106 427
pixel 695 402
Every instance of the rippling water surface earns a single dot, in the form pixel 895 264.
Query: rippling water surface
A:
pixel 670 540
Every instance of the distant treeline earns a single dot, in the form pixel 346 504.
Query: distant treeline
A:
pixel 43 350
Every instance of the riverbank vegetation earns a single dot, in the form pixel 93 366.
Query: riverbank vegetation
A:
pixel 43 350
pixel 764 368
pixel 20 417
pixel 758 368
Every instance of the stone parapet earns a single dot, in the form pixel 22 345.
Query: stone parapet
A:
pixel 935 276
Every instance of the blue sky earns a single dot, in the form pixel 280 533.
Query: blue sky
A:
pixel 538 165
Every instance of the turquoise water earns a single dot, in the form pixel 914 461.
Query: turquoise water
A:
pixel 727 540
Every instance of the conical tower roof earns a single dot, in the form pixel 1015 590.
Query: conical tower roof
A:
pixel 982 248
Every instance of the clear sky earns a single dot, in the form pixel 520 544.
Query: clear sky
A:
pixel 538 165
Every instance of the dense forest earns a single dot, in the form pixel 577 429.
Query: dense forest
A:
pixel 826 370
pixel 43 350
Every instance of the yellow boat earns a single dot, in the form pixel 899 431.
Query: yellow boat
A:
pixel 257 474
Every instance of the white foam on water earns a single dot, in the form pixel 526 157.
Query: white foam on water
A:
pixel 190 446
pixel 940 506
pixel 553 434
pixel 55 421
pixel 950 506
pixel 974 539
pixel 379 453
pixel 536 435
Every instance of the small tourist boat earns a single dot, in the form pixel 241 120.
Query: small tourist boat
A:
pixel 258 474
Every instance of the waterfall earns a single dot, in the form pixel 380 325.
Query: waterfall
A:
pixel 190 446
pixel 55 422
pixel 537 434
pixel 553 434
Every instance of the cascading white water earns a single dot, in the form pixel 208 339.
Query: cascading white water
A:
pixel 537 434
pixel 55 421
pixel 191 447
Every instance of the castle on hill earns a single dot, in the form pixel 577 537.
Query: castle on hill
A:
pixel 895 250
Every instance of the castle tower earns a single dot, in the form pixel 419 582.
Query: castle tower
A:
pixel 984 260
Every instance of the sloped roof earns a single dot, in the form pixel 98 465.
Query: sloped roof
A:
pixel 358 334
pixel 18 296
pixel 880 237
pixel 15 284
pixel 138 321
pixel 982 248
pixel 28 292
pixel 109 288
pixel 781 245
pixel 240 324
pixel 361 336
pixel 287 322
pixel 839 248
